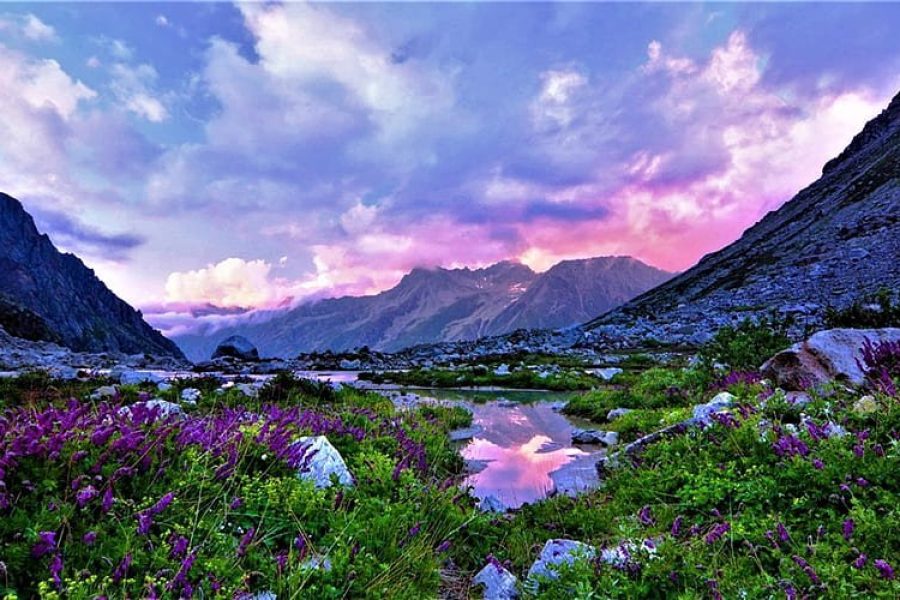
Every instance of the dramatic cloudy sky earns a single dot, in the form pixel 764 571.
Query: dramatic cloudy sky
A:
pixel 240 155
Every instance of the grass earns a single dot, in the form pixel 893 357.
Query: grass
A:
pixel 762 504
pixel 481 376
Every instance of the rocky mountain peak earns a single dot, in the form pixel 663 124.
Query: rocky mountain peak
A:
pixel 64 297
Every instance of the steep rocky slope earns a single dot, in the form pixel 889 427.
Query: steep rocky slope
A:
pixel 834 242
pixel 45 294
pixel 436 305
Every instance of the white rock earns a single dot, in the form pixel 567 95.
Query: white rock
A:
pixel 136 377
pixel 616 413
pixel 164 386
pixel 502 370
pixel 607 373
pixel 703 412
pixel 166 408
pixel 190 396
pixel 325 461
pixel 349 365
pixel 492 504
pixel 247 389
pixel 559 552
pixel 107 391
pixel 499 584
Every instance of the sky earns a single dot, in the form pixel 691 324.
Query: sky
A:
pixel 255 155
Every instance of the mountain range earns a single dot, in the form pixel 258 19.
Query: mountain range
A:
pixel 50 296
pixel 439 305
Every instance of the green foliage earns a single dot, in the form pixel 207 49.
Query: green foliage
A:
pixel 656 392
pixel 482 376
pixel 748 345
pixel 733 475
pixel 881 309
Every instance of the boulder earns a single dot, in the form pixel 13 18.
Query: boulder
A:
pixel 321 461
pixel 127 377
pixel 865 405
pixel 190 396
pixel 492 504
pixel 164 386
pixel 594 436
pixel 236 346
pixel 826 355
pixel 467 433
pixel 349 365
pixel 502 370
pixel 166 409
pixel 616 413
pixel 555 553
pixel 608 373
pixel 703 412
pixel 106 391
pixel 499 584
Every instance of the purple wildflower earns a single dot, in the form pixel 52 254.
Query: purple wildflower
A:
pixel 245 542
pixel 56 567
pixel 145 522
pixel 790 592
pixel 714 589
pixel 122 569
pixel 884 568
pixel 89 538
pixel 443 547
pixel 847 529
pixel 107 502
pixel 46 543
pixel 818 464
pixel 860 561
pixel 716 533
pixel 235 503
pixel 162 503
pixel 807 568
pixel 179 547
pixel 414 530
pixel 85 495
pixel 281 561
pixel 676 526
pixel 783 534
pixel 646 517
pixel 300 546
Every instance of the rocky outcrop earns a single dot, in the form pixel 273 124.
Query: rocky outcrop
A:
pixel 834 354
pixel 834 242
pixel 17 354
pixel 236 346
pixel 65 301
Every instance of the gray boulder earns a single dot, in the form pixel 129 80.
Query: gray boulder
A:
pixel 616 413
pixel 236 346
pixel 594 436
pixel 190 396
pixel 499 584
pixel 492 504
pixel 324 461
pixel 703 412
pixel 166 409
pixel 127 377
pixel 826 355
pixel 555 553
